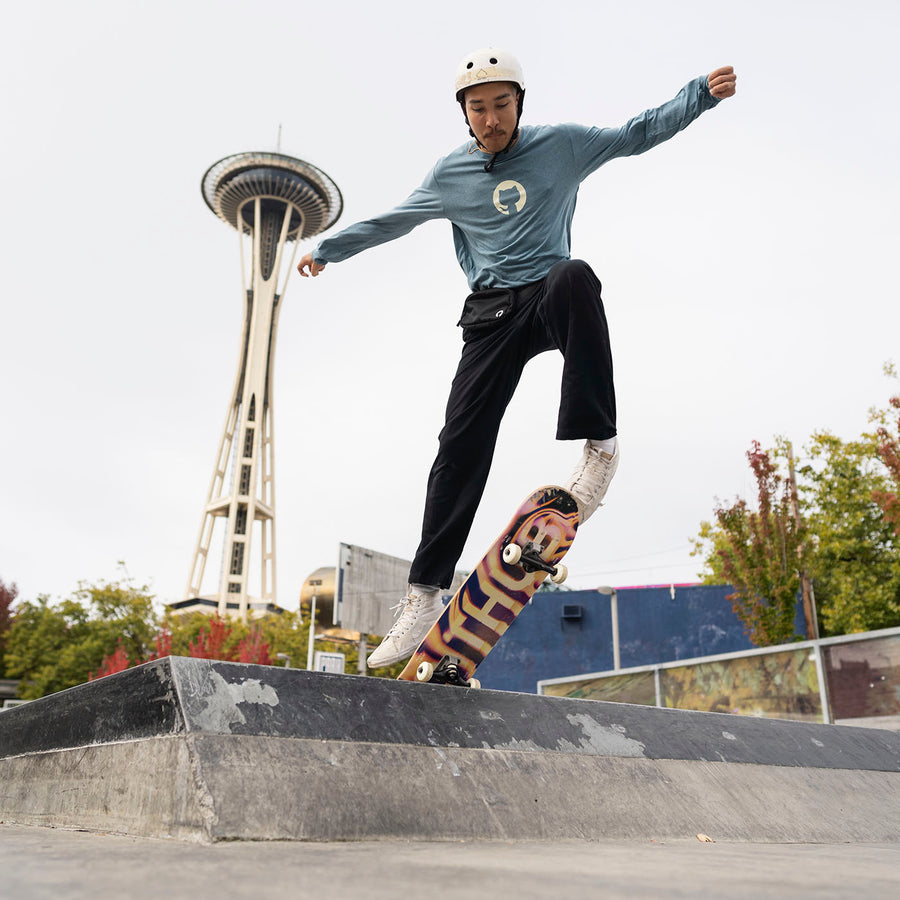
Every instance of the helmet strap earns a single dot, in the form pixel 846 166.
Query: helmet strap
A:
pixel 489 165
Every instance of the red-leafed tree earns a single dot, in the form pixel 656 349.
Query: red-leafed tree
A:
pixel 215 642
pixel 889 451
pixel 212 642
pixel 117 661
pixel 254 649
pixel 759 554
pixel 163 644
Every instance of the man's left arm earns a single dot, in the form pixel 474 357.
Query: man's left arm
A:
pixel 653 126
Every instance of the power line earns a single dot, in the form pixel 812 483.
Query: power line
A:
pixel 679 548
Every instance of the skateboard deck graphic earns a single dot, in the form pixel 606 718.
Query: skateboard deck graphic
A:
pixel 498 589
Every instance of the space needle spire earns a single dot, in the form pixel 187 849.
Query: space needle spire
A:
pixel 272 200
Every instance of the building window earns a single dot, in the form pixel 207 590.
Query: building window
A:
pixel 237 559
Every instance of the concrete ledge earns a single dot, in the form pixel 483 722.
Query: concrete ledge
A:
pixel 144 787
pixel 203 750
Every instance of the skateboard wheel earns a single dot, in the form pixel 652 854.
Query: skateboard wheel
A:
pixel 560 575
pixel 512 553
pixel 425 671
pixel 475 684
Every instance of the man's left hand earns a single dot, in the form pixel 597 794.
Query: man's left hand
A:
pixel 722 82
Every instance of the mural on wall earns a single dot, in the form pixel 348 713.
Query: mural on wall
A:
pixel 777 685
pixel 634 687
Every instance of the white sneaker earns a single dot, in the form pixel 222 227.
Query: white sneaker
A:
pixel 417 612
pixel 590 480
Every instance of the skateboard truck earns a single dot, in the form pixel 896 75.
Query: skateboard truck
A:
pixel 529 558
pixel 447 671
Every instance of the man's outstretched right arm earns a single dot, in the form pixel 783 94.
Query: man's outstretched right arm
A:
pixel 423 204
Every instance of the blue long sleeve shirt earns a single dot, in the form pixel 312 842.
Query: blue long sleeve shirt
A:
pixel 512 224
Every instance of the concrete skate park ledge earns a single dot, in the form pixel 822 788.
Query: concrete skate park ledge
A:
pixel 204 750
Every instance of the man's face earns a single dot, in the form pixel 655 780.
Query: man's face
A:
pixel 492 110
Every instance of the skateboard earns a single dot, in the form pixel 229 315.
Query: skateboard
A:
pixel 528 551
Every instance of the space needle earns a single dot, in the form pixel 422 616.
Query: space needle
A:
pixel 272 200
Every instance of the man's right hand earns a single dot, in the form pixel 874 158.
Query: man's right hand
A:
pixel 308 263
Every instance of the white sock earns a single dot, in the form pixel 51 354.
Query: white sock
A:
pixel 420 589
pixel 607 446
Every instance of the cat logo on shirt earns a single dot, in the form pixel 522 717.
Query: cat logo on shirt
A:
pixel 503 194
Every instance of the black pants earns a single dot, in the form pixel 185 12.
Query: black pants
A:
pixel 564 311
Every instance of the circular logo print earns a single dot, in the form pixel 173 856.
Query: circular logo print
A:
pixel 503 194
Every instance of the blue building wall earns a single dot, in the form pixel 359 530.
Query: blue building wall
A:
pixel 564 633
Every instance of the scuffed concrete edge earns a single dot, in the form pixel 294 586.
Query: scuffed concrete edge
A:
pixel 215 702
pixel 236 698
pixel 210 787
pixel 143 787
pixel 297 789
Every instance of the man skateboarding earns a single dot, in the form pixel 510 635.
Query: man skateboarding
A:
pixel 510 196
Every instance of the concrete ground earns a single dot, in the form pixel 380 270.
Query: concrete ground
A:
pixel 37 863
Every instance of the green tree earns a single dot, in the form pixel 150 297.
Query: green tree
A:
pixel 287 633
pixel 852 548
pixel 759 553
pixel 8 594
pixel 711 545
pixel 855 563
pixel 124 614
pixel 52 647
pixel 110 626
pixel 56 646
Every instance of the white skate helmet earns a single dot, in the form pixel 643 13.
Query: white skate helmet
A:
pixel 487 65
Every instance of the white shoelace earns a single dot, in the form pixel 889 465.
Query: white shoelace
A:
pixel 409 606
pixel 595 472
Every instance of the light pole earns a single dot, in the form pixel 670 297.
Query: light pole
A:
pixel 614 612
pixel 312 635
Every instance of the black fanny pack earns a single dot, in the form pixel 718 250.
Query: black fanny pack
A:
pixel 487 307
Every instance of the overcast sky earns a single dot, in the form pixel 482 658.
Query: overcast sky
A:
pixel 748 266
